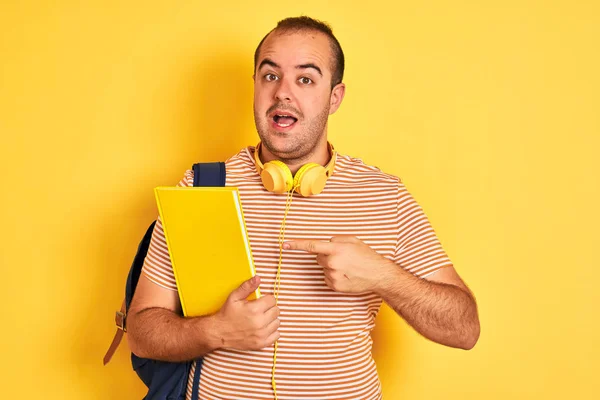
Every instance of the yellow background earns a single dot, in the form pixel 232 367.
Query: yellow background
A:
pixel 489 112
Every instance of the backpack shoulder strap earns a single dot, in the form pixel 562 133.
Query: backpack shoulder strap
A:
pixel 209 174
pixel 206 174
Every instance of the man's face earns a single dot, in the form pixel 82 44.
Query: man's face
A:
pixel 292 93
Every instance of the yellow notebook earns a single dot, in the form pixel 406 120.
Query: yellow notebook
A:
pixel 208 244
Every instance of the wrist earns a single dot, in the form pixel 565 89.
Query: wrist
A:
pixel 209 329
pixel 389 276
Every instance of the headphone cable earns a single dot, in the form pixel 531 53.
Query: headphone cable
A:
pixel 288 204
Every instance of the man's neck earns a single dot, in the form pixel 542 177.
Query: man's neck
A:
pixel 320 156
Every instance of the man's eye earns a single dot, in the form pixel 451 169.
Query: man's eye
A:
pixel 270 77
pixel 305 81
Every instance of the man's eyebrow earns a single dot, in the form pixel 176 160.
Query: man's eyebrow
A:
pixel 268 61
pixel 310 65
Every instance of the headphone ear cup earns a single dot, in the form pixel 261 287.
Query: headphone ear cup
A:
pixel 310 179
pixel 277 177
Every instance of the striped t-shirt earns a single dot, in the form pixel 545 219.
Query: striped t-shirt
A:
pixel 324 351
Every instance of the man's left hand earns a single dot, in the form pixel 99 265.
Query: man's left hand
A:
pixel 350 265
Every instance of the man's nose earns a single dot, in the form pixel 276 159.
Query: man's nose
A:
pixel 284 91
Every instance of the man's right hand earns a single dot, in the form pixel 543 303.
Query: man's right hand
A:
pixel 248 324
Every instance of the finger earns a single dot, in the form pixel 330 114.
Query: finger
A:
pixel 311 246
pixel 264 321
pixel 263 304
pixel 272 326
pixel 329 282
pixel 272 314
pixel 245 289
pixel 323 260
pixel 272 338
pixel 344 239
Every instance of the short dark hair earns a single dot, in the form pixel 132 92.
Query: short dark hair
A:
pixel 304 23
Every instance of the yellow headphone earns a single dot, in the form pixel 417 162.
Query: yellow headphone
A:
pixel 308 181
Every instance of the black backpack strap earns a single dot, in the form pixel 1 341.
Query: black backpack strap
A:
pixel 205 174
pixel 209 174
pixel 196 381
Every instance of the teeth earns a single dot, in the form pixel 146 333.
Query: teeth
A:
pixel 284 116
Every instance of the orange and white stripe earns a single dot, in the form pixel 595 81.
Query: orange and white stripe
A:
pixel 325 346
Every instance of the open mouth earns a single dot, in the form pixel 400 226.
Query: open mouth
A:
pixel 284 121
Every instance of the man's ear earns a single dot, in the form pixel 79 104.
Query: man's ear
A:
pixel 336 97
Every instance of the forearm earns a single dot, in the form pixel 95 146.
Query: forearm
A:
pixel 161 334
pixel 441 312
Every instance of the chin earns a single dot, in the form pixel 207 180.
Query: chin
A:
pixel 280 144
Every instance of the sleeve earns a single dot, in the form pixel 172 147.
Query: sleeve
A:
pixel 418 249
pixel 157 264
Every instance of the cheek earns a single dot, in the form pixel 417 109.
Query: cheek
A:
pixel 263 91
pixel 314 106
pixel 257 97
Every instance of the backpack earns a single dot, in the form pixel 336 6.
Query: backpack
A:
pixel 165 380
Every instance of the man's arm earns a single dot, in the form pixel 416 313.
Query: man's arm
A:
pixel 157 330
pixel 441 308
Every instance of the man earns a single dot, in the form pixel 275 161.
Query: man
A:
pixel 362 240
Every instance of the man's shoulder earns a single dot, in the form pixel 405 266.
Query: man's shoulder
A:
pixel 241 161
pixel 356 169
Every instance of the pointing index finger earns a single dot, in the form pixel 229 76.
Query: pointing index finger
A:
pixel 310 246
